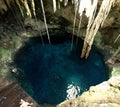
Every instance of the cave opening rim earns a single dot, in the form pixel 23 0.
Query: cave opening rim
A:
pixel 69 37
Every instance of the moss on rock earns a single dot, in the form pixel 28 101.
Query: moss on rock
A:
pixel 5 55
pixel 115 71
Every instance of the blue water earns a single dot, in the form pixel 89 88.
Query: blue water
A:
pixel 55 72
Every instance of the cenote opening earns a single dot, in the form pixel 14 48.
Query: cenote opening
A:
pixel 52 73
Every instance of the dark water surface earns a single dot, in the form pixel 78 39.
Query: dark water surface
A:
pixel 53 73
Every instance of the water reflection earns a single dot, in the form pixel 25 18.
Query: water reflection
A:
pixel 72 91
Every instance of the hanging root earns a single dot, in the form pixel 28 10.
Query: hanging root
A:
pixel 34 13
pixel 78 29
pixel 33 7
pixel 112 60
pixel 21 11
pixel 116 39
pixel 93 27
pixel 90 8
pixel 25 3
pixel 45 20
pixel 74 23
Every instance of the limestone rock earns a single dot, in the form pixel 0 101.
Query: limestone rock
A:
pixel 106 94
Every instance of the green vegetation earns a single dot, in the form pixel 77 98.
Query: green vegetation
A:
pixel 5 55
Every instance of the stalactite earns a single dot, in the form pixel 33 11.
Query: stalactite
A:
pixel 54 5
pixel 65 2
pixel 45 20
pixel 84 6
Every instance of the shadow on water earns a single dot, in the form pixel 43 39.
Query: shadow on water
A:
pixel 54 72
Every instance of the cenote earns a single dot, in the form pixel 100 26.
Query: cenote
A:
pixel 52 73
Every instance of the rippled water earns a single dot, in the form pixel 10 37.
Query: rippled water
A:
pixel 54 73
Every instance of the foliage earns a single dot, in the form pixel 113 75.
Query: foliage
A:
pixel 5 54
